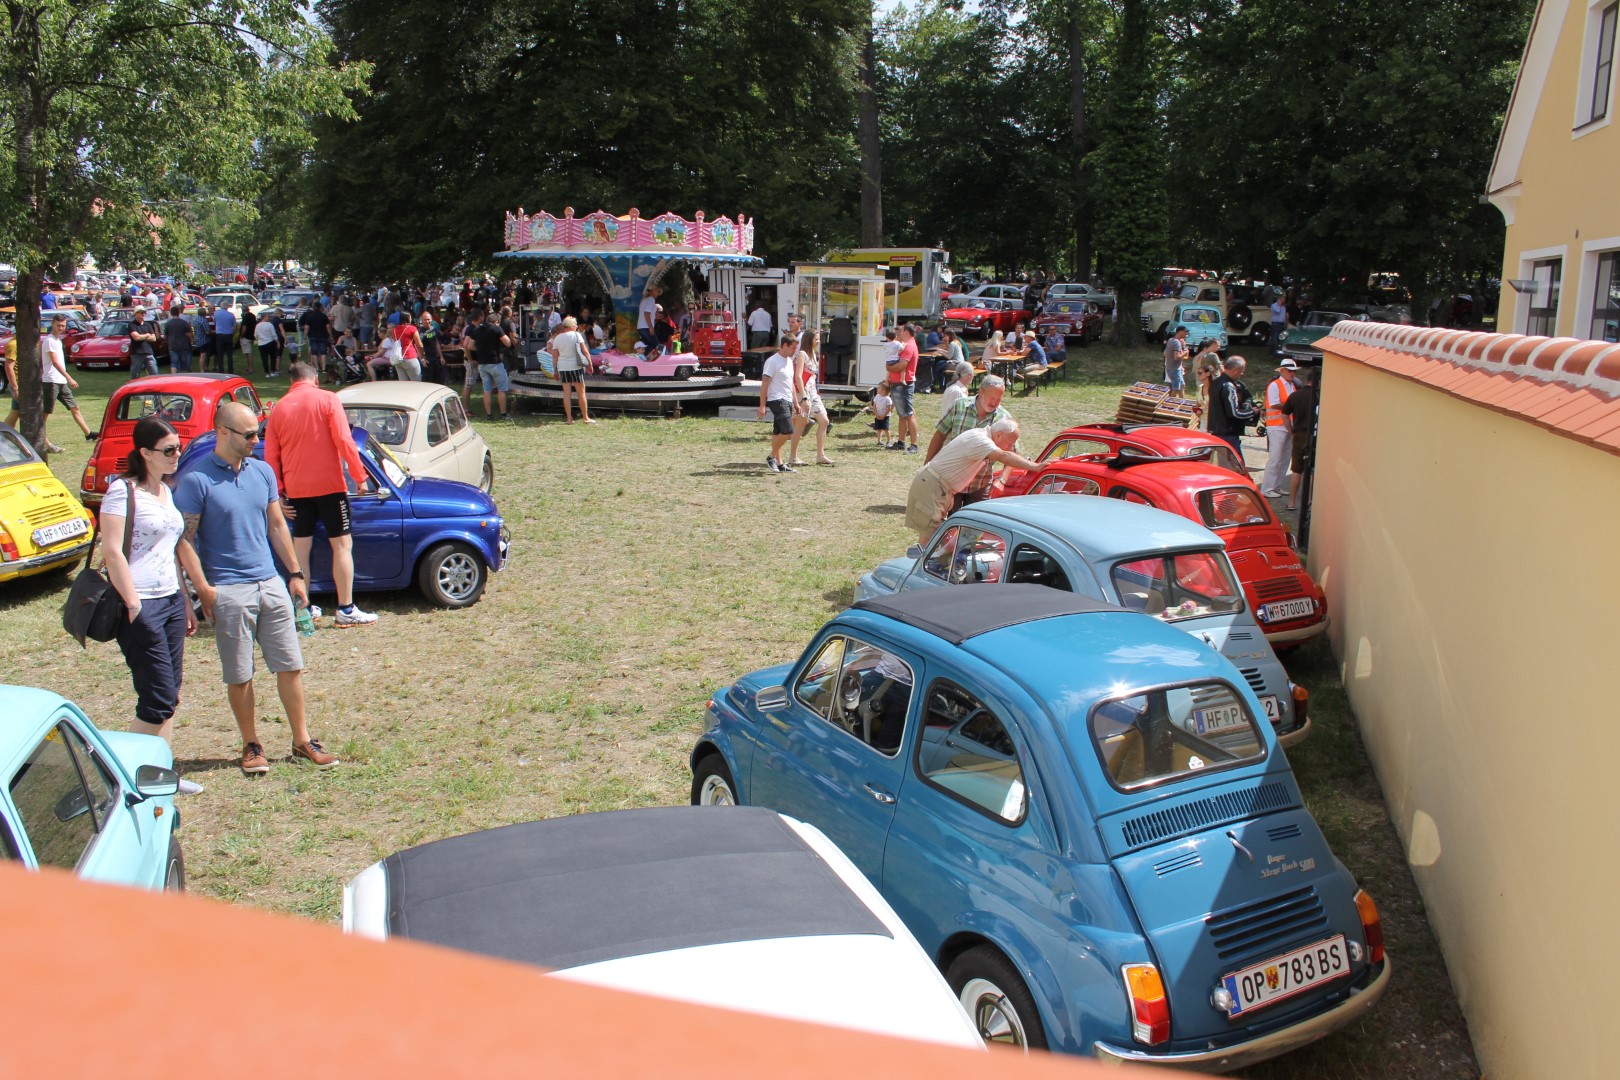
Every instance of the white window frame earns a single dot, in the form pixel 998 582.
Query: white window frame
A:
pixel 1523 302
pixel 1591 251
pixel 1583 123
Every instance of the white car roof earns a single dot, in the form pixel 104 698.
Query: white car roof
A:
pixel 400 394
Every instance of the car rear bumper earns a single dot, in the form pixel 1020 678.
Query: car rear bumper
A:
pixel 1265 1047
pixel 1295 737
pixel 9 570
pixel 1297 635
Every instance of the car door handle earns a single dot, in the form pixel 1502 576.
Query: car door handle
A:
pixel 880 795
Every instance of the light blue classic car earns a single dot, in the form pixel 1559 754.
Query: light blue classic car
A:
pixel 1077 811
pixel 1202 322
pixel 1135 556
pixel 97 803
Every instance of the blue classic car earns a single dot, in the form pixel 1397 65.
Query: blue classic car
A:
pixel 1077 811
pixel 1202 323
pixel 1135 556
pixel 444 536
pixel 96 803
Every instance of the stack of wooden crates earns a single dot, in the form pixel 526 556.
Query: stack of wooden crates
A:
pixel 1151 403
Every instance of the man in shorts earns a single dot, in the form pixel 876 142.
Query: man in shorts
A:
pixel 317 327
pixel 232 517
pixel 308 445
pixel 1175 362
pixel 58 384
pixel 487 341
pixel 935 487
pixel 779 392
pixel 903 382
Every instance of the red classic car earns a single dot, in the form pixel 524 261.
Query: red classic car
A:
pixel 984 315
pixel 186 401
pixel 108 348
pixel 1285 599
pixel 77 328
pixel 1144 440
pixel 1071 318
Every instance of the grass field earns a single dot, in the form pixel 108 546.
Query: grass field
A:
pixel 652 560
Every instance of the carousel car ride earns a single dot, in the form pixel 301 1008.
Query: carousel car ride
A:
pixel 1287 601
pixel 1109 440
pixel 1079 813
pixel 1133 556
pixel 737 908
pixel 442 536
pixel 42 526
pixel 715 339
pixel 424 425
pixel 186 401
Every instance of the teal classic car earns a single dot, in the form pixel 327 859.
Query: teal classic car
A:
pixel 96 803
pixel 1202 323
pixel 1301 343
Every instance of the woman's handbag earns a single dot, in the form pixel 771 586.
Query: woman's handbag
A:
pixel 93 606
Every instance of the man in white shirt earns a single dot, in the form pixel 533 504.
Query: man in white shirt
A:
pixel 58 384
pixel 759 326
pixel 949 472
pixel 778 393
pixel 647 320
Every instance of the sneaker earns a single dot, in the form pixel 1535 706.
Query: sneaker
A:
pixel 772 464
pixel 506 418
pixel 312 753
pixel 52 448
pixel 188 787
pixel 784 466
pixel 897 446
pixel 912 449
pixel 315 612
pixel 352 617
pixel 253 759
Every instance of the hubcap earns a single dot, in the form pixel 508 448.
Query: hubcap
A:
pixel 716 792
pixel 993 1014
pixel 458 576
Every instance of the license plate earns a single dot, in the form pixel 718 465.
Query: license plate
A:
pixel 1272 706
pixel 1286 975
pixel 1290 609
pixel 63 530
pixel 1219 719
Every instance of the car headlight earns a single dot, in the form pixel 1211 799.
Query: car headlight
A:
pixel 76 348
pixel 124 347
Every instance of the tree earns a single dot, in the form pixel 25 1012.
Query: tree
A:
pixel 116 110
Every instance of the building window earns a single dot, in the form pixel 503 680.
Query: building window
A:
pixel 1544 301
pixel 1603 66
pixel 1606 299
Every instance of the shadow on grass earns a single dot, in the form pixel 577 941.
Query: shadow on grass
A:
pixel 50 586
pixel 840 598
pixel 886 508
pixel 186 766
pixel 731 468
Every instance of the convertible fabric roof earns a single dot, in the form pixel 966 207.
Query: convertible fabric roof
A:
pixel 959 612
pixel 579 890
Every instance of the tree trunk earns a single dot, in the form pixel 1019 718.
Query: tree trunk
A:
pixel 1077 92
pixel 871 145
pixel 29 383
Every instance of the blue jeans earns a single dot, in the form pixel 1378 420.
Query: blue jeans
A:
pixel 180 361
pixel 154 646
pixel 142 365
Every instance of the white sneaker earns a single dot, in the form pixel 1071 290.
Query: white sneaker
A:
pixel 314 612
pixel 353 617
pixel 188 787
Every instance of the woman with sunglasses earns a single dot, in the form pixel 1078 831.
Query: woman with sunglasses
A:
pixel 159 615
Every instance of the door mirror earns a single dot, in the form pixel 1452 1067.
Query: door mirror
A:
pixel 155 780
pixel 771 699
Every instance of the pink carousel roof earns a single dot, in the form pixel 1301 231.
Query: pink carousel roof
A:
pixel 602 234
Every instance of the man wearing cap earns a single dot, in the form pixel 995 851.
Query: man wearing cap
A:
pixel 1279 440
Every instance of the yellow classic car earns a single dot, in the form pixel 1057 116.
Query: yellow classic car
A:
pixel 42 526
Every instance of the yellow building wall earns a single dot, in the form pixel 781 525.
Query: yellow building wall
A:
pixel 1470 568
pixel 1570 191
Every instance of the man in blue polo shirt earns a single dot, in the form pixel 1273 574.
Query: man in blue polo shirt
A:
pixel 232 516
pixel 224 338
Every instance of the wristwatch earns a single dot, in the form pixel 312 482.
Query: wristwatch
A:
pixel 297 574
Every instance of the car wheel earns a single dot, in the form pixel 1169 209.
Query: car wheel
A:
pixel 486 480
pixel 712 784
pixel 174 878
pixel 996 1000
pixel 684 372
pixel 1261 333
pixel 452 576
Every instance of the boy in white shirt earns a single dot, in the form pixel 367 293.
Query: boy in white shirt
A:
pixel 880 406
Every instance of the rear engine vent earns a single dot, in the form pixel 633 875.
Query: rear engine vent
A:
pixel 1283 832
pixel 1240 635
pixel 1277 589
pixel 1190 817
pixel 1257 681
pixel 1180 862
pixel 1266 926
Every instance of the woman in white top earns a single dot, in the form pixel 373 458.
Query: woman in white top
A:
pixel 992 351
pixel 572 355
pixel 159 616
pixel 268 338
pixel 810 409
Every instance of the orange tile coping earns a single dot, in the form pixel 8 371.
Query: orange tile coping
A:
pixel 1566 385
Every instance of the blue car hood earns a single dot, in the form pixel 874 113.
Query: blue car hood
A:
pixel 434 498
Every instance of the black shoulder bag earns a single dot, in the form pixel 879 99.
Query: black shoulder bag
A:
pixel 93 606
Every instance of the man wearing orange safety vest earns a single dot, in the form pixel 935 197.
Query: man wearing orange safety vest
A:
pixel 1279 440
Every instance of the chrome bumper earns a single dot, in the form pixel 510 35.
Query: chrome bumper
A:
pixel 51 558
pixel 1295 737
pixel 1294 637
pixel 1265 1047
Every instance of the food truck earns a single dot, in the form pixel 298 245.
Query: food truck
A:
pixel 918 272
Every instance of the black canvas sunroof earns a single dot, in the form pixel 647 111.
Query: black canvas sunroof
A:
pixel 958 612
pixel 578 890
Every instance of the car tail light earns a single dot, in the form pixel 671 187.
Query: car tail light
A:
pixel 87 482
pixel 1302 704
pixel 8 547
pixel 1372 925
pixel 1150 1009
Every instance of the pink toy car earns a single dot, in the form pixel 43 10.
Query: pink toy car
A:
pixel 636 365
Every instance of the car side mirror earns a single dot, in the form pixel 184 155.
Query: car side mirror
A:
pixel 771 699
pixel 155 781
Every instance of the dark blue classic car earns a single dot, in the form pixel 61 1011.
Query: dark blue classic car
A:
pixel 445 536
pixel 1078 810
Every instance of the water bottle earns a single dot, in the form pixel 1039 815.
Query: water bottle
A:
pixel 306 622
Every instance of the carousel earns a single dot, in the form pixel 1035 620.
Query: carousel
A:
pixel 629 256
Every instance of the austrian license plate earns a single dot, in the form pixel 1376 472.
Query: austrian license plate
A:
pixel 1290 609
pixel 1272 706
pixel 1219 719
pixel 62 530
pixel 1286 975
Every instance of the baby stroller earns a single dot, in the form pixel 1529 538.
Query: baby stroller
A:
pixel 344 368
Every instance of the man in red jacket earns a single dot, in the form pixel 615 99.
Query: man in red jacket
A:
pixel 308 444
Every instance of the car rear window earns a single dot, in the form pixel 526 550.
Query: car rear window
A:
pixel 175 408
pixel 387 426
pixel 1189 585
pixel 1160 735
pixel 12 451
pixel 1223 508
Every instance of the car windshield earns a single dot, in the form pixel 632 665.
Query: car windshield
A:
pixel 1157 736
pixel 397 474
pixel 387 426
pixel 1189 585
pixel 1201 315
pixel 1223 508
pixel 175 408
pixel 12 450
pixel 113 329
pixel 1067 308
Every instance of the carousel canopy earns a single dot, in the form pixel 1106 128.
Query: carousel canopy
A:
pixel 631 236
